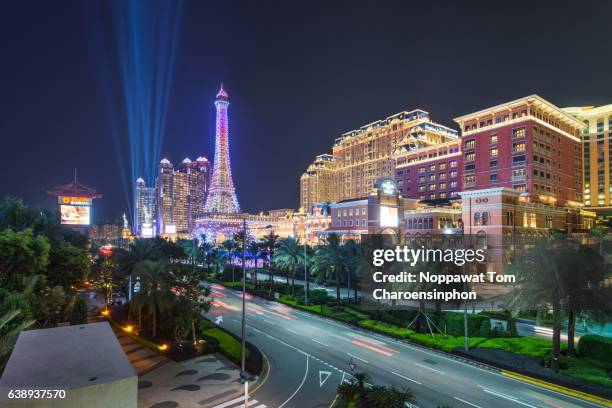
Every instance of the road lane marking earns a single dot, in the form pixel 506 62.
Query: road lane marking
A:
pixel 290 330
pixel 466 402
pixel 508 397
pixel 249 403
pixel 298 388
pixel 376 344
pixel 321 343
pixel 357 358
pixel 429 368
pixel 411 347
pixel 406 378
pixel 367 346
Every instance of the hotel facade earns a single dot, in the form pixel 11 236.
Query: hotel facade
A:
pixel 597 149
pixel 515 170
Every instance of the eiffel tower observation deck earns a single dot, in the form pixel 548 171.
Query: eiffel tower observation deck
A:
pixel 221 194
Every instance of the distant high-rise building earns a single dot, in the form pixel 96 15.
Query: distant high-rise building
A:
pixel 180 194
pixel 527 144
pixel 596 151
pixel 222 195
pixel 145 211
pixel 317 184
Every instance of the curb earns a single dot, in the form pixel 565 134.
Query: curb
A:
pixel 558 388
pixel 265 373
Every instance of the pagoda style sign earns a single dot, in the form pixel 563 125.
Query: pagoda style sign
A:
pixel 221 194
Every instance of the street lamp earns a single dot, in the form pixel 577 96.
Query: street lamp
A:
pixel 243 345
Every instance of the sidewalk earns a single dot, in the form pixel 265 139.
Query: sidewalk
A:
pixel 204 381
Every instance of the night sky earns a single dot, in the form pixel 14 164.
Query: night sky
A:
pixel 298 75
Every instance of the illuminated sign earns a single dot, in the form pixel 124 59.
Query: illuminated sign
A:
pixel 387 187
pixel 588 213
pixel 388 216
pixel 67 200
pixel 147 231
pixel 170 229
pixel 75 214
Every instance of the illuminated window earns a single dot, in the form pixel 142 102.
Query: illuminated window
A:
pixel 442 176
pixel 442 166
pixel 432 187
pixel 518 147
pixel 494 152
pixel 453 183
pixel 470 156
pixel 529 220
pixel 470 144
pixel 432 177
pixel 453 163
pixel 494 139
pixel 518 132
pixel 443 186
pixel 477 219
pixel 453 173
pixel 432 167
pixel 421 170
pixel 363 211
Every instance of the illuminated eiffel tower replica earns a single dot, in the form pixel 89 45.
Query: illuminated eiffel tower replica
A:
pixel 222 217
pixel 221 194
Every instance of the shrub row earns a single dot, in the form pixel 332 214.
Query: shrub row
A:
pixel 596 347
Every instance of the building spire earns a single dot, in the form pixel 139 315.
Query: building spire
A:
pixel 222 94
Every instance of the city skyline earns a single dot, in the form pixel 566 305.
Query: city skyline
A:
pixel 267 112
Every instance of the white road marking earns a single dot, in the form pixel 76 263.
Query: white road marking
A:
pixel 406 378
pixel 292 331
pixel 429 368
pixel 228 403
pixel 357 358
pixel 466 402
pixel 298 388
pixel 508 397
pixel 317 341
pixel 249 403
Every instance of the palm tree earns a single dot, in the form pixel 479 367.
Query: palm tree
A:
pixel 289 256
pixel 229 247
pixel 539 285
pixel 254 251
pixel 587 290
pixel 270 243
pixel 383 397
pixel 139 250
pixel 353 391
pixel 328 262
pixel 154 289
pixel 352 259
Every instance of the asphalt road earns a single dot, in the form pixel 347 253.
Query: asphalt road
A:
pixel 309 356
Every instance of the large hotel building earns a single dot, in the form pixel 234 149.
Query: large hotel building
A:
pixel 363 155
pixel 597 149
pixel 171 207
pixel 517 169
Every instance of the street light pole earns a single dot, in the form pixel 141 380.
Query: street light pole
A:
pixel 243 345
pixel 305 272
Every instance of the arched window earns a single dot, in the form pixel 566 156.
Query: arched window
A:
pixel 485 218
pixel 477 219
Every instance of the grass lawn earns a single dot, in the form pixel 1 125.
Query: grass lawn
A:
pixel 587 369
pixel 228 345
pixel 386 328
pixel 530 346
pixel 447 343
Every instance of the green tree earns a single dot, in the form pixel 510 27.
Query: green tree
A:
pixel 21 254
pixel 289 256
pixel 584 282
pixel 329 263
pixel 270 243
pixel 68 265
pixel 9 331
pixel 539 284
pixel 255 254
pixel 229 246
pixel 154 292
pixel 194 298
